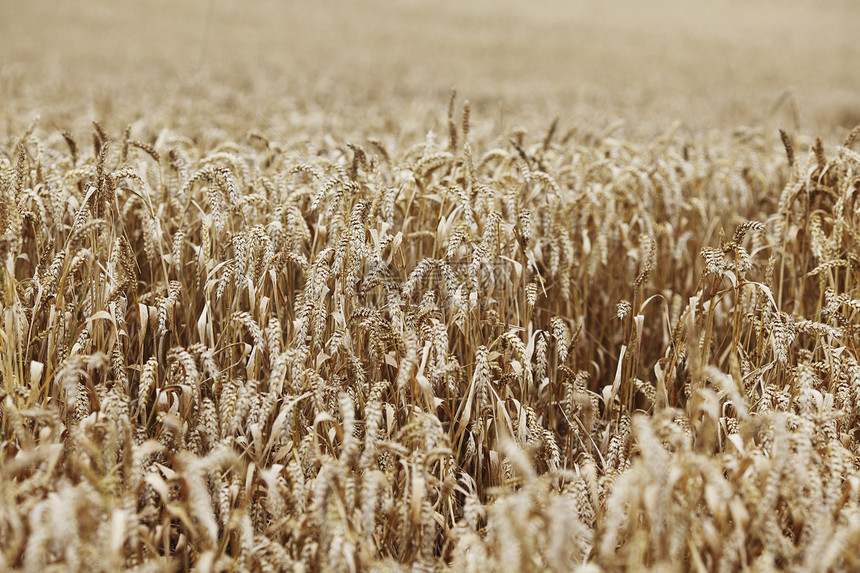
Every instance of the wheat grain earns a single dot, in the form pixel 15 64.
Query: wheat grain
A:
pixel 365 356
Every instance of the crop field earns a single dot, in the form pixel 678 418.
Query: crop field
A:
pixel 489 286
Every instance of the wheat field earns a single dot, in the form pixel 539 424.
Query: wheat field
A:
pixel 276 298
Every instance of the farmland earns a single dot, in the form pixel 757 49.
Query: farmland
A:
pixel 327 286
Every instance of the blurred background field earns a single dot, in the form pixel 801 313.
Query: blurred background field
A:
pixel 724 62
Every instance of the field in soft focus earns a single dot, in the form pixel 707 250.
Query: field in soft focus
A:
pixel 706 63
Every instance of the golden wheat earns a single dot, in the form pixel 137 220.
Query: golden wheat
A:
pixel 580 351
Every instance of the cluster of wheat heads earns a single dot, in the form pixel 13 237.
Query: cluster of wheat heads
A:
pixel 472 353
